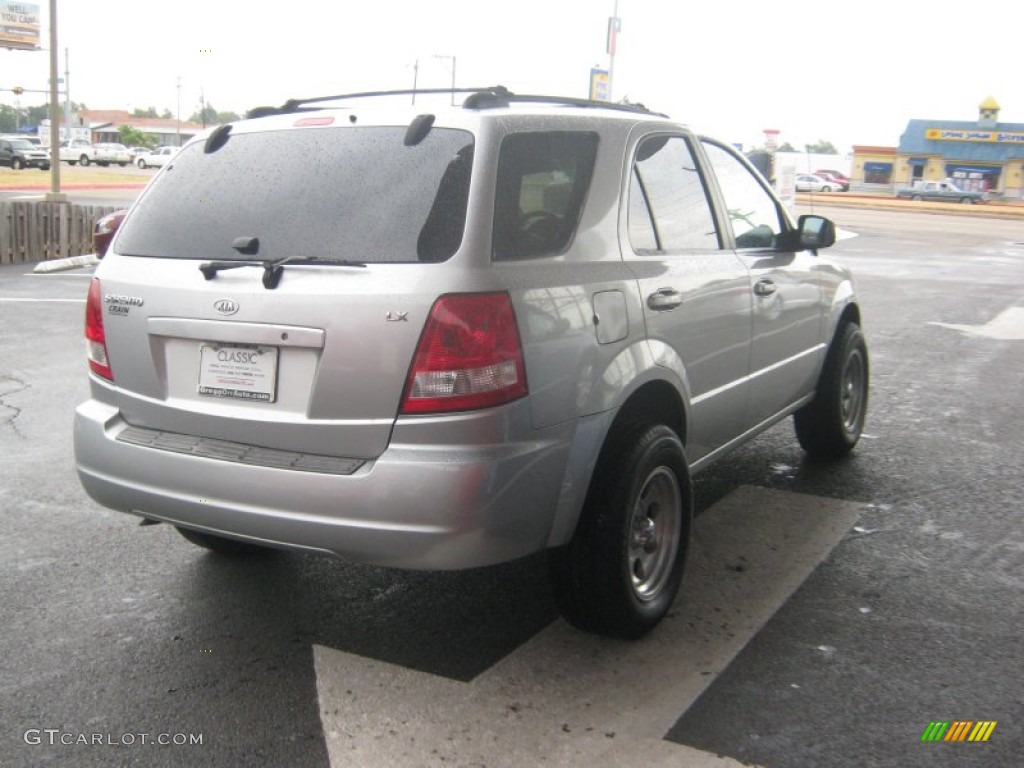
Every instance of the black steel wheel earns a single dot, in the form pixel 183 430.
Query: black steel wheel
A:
pixel 620 574
pixel 831 424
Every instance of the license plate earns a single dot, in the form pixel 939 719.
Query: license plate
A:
pixel 246 372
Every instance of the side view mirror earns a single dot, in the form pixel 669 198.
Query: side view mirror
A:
pixel 816 232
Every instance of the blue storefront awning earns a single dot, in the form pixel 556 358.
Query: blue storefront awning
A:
pixel 954 167
pixel 877 166
pixel 918 161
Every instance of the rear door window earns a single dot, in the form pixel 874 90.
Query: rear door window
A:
pixel 543 179
pixel 354 193
pixel 668 204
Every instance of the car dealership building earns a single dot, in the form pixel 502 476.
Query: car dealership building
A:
pixel 983 154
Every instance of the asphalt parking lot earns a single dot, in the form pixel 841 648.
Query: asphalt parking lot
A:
pixel 829 614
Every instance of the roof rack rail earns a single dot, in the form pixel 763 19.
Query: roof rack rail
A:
pixel 490 97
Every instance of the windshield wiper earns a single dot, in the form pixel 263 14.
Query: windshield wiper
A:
pixel 272 269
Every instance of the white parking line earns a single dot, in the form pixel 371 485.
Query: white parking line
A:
pixel 1008 325
pixel 566 698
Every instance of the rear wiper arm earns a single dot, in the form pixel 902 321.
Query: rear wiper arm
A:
pixel 272 269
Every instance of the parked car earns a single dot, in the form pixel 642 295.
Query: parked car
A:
pixel 110 153
pixel 942 191
pixel 451 338
pixel 103 231
pixel 17 153
pixel 77 151
pixel 35 141
pixel 809 182
pixel 137 152
pixel 157 158
pixel 842 181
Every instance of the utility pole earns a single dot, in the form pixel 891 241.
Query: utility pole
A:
pixel 67 94
pixel 54 195
pixel 453 74
pixel 614 26
pixel 415 77
pixel 178 142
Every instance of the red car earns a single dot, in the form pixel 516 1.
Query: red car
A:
pixel 835 176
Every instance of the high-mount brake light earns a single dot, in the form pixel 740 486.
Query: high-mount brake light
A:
pixel 95 336
pixel 469 356
pixel 306 121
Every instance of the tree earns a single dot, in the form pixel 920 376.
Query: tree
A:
pixel 35 115
pixel 8 119
pixel 133 137
pixel 166 115
pixel 822 148
pixel 208 115
pixel 786 147
pixel 149 112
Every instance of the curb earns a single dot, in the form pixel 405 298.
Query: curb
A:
pixel 984 210
pixel 71 262
pixel 73 185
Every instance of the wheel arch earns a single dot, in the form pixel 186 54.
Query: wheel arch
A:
pixel 848 313
pixel 655 401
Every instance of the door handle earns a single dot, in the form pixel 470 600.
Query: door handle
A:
pixel 664 299
pixel 764 287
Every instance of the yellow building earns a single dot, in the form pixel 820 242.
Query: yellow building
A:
pixel 980 155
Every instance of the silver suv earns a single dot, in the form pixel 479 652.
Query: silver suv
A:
pixel 447 338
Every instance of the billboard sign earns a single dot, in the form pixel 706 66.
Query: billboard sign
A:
pixel 19 25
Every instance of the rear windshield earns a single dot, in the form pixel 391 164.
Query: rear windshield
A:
pixel 354 193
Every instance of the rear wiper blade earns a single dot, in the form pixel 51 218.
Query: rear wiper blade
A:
pixel 272 269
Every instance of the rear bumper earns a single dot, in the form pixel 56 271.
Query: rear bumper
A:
pixel 420 507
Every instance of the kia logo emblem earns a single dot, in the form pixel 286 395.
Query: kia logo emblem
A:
pixel 226 306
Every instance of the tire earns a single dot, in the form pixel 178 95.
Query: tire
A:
pixel 830 425
pixel 16 164
pixel 84 160
pixel 72 162
pixel 122 164
pixel 916 197
pixel 221 545
pixel 826 189
pixel 142 163
pixel 966 201
pixel 44 167
pixel 620 574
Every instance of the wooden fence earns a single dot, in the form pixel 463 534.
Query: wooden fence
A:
pixel 38 231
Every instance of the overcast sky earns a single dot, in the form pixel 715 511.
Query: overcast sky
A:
pixel 843 71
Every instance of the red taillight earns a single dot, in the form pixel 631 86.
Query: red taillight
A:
pixel 469 356
pixel 95 336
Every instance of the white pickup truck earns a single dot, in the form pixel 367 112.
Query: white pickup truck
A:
pixel 80 151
